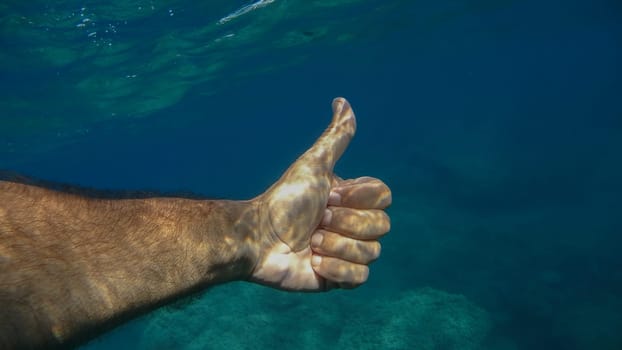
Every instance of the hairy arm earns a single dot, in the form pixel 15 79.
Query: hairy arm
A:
pixel 72 266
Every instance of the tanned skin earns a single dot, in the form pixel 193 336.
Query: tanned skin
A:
pixel 74 266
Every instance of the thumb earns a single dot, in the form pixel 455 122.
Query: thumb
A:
pixel 297 201
pixel 320 159
pixel 332 143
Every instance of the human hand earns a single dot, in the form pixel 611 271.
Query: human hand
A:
pixel 317 231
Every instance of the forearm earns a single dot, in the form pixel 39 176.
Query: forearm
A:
pixel 71 266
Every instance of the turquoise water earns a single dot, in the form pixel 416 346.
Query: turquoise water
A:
pixel 497 124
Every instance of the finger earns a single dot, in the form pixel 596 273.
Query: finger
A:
pixel 342 272
pixel 361 193
pixel 358 180
pixel 338 246
pixel 333 142
pixel 359 224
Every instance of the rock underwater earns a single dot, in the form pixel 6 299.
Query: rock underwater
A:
pixel 243 317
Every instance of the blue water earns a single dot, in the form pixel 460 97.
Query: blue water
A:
pixel 497 125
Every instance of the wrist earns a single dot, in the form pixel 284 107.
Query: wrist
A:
pixel 232 249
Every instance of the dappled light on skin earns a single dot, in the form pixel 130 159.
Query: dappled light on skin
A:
pixel 337 245
pixel 310 178
pixel 344 217
pixel 373 195
pixel 364 223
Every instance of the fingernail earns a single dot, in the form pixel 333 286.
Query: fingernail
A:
pixel 316 260
pixel 317 239
pixel 328 217
pixel 334 198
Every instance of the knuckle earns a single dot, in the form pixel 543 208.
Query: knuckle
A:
pixel 362 275
pixel 386 221
pixel 370 251
pixel 376 249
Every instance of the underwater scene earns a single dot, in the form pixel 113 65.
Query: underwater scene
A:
pixel 497 124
